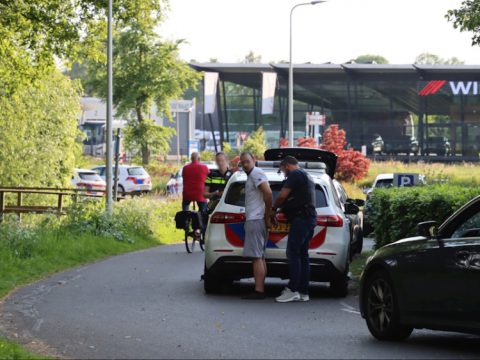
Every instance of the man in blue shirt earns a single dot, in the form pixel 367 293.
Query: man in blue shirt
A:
pixel 297 202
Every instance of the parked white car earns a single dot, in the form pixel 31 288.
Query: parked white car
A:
pixel 329 247
pixel 131 179
pixel 88 180
pixel 175 184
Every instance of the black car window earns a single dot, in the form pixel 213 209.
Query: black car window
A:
pixel 469 228
pixel 236 194
pixel 384 183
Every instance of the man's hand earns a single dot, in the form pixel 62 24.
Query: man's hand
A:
pixel 268 222
pixel 273 219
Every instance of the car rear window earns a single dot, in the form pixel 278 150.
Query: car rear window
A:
pixel 89 176
pixel 383 183
pixel 236 194
pixel 139 171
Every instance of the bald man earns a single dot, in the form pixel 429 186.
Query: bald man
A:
pixel 194 176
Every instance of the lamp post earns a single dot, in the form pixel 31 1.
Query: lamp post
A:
pixel 109 135
pixel 290 74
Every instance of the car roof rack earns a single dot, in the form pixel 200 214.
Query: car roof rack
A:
pixel 303 164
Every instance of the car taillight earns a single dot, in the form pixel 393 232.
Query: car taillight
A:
pixel 131 178
pixel 227 218
pixel 330 220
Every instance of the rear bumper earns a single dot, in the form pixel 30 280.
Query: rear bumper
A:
pixel 237 267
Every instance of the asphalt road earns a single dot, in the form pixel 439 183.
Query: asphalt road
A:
pixel 151 304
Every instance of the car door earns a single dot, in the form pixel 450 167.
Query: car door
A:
pixel 440 277
pixel 460 259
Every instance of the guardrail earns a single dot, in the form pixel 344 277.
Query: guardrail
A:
pixel 19 208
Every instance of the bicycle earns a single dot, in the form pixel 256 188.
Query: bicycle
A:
pixel 191 222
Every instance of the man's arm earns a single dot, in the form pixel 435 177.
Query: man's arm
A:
pixel 282 197
pixel 268 199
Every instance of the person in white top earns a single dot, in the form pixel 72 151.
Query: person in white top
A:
pixel 258 204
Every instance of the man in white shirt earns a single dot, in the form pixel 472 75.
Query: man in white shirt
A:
pixel 258 204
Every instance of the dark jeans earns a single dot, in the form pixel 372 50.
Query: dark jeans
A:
pixel 201 205
pixel 301 231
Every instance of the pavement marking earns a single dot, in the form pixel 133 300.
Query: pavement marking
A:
pixel 349 308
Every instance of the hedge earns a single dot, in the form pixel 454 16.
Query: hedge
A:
pixel 395 212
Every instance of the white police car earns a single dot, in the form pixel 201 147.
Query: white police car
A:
pixel 329 247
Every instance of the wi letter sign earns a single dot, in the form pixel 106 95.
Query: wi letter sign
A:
pixel 464 88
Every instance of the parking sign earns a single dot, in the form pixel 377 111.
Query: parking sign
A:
pixel 401 180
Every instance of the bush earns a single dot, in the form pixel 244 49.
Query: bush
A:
pixel 256 143
pixel 396 212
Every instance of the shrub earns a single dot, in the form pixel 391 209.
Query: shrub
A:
pixel 396 212
pixel 256 143
pixel 207 155
pixel 352 165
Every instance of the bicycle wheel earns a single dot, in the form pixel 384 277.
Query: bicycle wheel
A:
pixel 189 236
pixel 201 242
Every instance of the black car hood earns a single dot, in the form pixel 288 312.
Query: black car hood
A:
pixel 305 154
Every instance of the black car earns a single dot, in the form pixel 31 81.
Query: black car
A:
pixel 430 281
pixel 351 208
pixel 438 145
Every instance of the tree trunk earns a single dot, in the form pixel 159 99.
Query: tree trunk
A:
pixel 144 149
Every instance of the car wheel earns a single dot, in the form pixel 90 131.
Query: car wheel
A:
pixel 359 239
pixel 121 190
pixel 211 284
pixel 339 285
pixel 381 309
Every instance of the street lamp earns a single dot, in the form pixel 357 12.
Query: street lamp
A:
pixel 109 139
pixel 290 75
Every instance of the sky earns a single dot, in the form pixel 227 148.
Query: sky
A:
pixel 335 31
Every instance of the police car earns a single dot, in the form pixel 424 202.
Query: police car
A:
pixel 329 246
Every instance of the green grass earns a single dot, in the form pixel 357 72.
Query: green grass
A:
pixel 358 264
pixel 13 351
pixel 37 248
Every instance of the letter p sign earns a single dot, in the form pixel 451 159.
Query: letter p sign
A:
pixel 402 180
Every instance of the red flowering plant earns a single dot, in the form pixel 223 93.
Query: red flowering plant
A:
pixel 352 165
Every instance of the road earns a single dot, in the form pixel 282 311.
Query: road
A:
pixel 151 304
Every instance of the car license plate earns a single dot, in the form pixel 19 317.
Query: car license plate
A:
pixel 280 228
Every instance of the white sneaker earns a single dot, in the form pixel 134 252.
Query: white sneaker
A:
pixel 288 296
pixel 304 297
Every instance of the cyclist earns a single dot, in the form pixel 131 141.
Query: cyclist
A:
pixel 216 181
pixel 194 175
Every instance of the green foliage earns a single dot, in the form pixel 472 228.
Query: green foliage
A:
pixel 256 143
pixel 207 155
pixel 38 123
pixel 12 351
pixel 467 18
pixel 229 151
pixel 397 211
pixel 369 58
pixel 147 71
pixel 148 137
pixel 432 59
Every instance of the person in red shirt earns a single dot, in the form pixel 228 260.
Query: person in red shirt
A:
pixel 194 176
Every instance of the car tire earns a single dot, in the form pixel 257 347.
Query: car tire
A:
pixel 339 285
pixel 211 284
pixel 121 190
pixel 359 240
pixel 381 309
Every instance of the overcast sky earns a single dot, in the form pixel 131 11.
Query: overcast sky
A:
pixel 335 31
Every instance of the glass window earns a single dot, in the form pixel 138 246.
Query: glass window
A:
pixel 236 194
pixel 384 183
pixel 139 171
pixel 469 228
pixel 89 176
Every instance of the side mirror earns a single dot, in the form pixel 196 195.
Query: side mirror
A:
pixel 351 209
pixel 428 229
pixel 358 202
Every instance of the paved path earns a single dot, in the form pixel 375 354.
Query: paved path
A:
pixel 151 304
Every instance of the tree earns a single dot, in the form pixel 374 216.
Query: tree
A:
pixel 256 143
pixel 39 132
pixel 467 18
pixel 352 165
pixel 146 71
pixel 371 59
pixel 432 59
pixel 252 58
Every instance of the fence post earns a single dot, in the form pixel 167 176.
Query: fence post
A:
pixel 19 204
pixel 60 204
pixel 2 205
